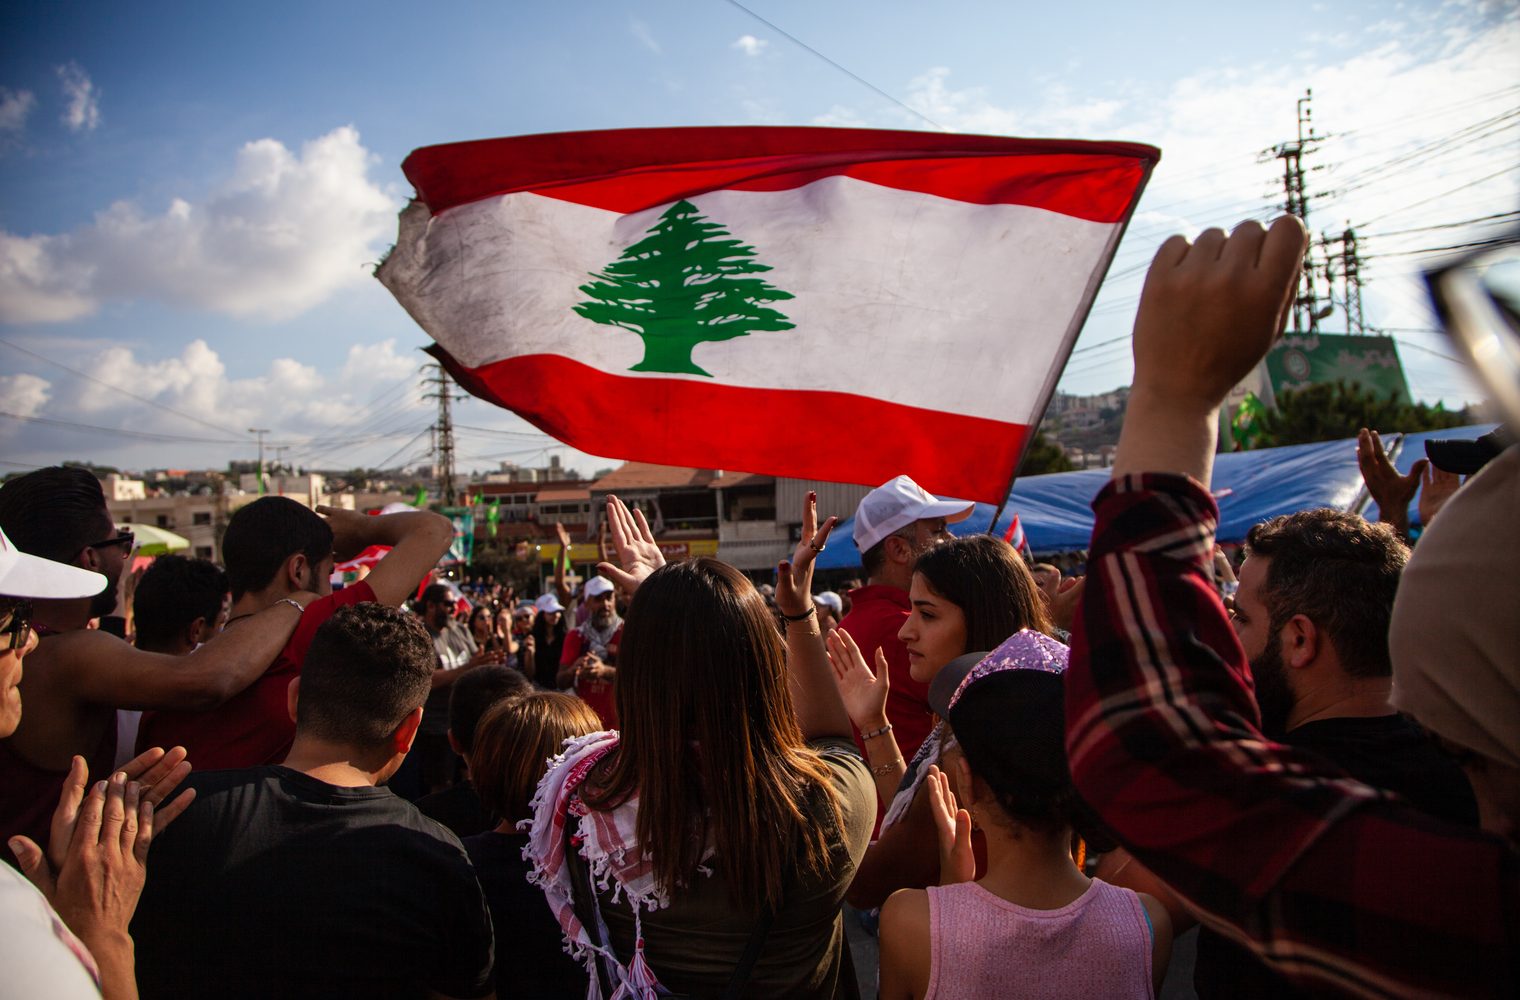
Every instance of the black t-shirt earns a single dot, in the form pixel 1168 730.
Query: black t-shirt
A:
pixel 548 644
pixel 530 955
pixel 458 808
pixel 275 884
pixel 1386 751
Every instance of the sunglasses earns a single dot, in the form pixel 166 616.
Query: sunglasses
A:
pixel 124 539
pixel 18 625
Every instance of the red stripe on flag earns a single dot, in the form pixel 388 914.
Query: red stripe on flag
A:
pixel 630 170
pixel 777 432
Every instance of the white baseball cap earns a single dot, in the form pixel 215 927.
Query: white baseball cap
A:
pixel 548 603
pixel 24 575
pixel 896 504
pixel 598 585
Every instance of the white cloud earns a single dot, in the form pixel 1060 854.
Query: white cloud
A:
pixel 295 400
pixel 83 108
pixel 23 395
pixel 840 116
pixel 646 38
pixel 279 236
pixel 15 107
pixel 749 45
pixel 1422 81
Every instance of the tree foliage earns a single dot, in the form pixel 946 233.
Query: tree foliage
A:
pixel 1044 456
pixel 1335 410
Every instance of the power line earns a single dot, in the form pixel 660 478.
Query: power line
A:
pixel 1489 219
pixel 1437 197
pixel 144 435
pixel 117 388
pixel 854 76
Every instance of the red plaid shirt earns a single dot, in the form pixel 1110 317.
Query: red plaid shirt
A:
pixel 1337 885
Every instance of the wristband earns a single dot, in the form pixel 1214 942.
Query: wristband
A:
pixel 884 730
pixel 812 610
pixel 293 603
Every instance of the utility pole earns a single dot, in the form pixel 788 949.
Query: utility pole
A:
pixel 260 431
pixel 443 429
pixel 1306 311
pixel 1351 271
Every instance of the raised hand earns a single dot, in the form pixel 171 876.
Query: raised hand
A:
pixel 1389 490
pixel 634 544
pixel 957 863
pixel 1208 313
pixel 1440 485
pixel 156 772
pixel 351 530
pixel 794 577
pixel 1063 607
pixel 864 693
pixel 1210 309
pixel 563 535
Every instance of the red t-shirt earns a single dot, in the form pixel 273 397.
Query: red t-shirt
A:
pixel 876 614
pixel 600 695
pixel 253 727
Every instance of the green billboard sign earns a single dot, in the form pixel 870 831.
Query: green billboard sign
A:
pixel 1303 359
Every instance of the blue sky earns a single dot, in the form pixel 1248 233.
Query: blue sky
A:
pixel 193 193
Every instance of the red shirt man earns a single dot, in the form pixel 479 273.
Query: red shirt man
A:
pixel 274 547
pixel 894 524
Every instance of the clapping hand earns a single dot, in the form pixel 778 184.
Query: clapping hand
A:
pixel 634 544
pixel 957 863
pixel 1439 486
pixel 1390 491
pixel 864 693
pixel 794 577
pixel 94 867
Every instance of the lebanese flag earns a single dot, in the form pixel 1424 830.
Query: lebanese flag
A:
pixel 842 305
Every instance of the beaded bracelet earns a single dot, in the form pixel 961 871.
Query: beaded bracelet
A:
pixel 813 610
pixel 884 730
pixel 888 767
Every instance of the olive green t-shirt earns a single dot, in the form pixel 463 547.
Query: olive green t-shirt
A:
pixel 694 944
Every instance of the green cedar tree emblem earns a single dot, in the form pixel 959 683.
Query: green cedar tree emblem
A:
pixel 687 282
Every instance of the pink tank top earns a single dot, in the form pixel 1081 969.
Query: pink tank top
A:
pixel 983 947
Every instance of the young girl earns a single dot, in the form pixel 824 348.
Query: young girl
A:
pixel 513 743
pixel 1034 924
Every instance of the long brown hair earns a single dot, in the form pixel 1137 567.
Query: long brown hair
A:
pixel 710 742
pixel 988 581
pixel 516 739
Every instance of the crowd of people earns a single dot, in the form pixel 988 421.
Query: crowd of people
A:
pixel 674 781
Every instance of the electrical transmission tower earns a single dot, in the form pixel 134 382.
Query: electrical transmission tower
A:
pixel 1306 309
pixel 443 429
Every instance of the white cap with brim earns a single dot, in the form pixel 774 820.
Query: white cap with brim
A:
pixel 896 504
pixel 23 575
pixel 598 585
pixel 548 603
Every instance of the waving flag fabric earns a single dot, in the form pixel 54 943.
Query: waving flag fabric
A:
pixel 832 304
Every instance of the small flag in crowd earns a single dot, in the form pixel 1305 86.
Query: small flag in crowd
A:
pixel 717 297
pixel 1015 536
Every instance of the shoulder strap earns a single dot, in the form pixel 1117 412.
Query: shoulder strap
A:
pixel 752 950
pixel 583 901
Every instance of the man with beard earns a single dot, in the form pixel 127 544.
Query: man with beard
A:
pixel 78 677
pixel 589 660
pixel 1312 613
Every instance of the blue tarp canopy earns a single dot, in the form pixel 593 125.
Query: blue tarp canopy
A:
pixel 1251 486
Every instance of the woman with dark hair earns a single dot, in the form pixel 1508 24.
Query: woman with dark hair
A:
pixel 968 595
pixel 512 744
pixel 1034 924
pixel 482 627
pixel 720 827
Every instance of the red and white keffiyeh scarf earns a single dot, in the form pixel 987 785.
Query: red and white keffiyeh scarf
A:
pixel 608 843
